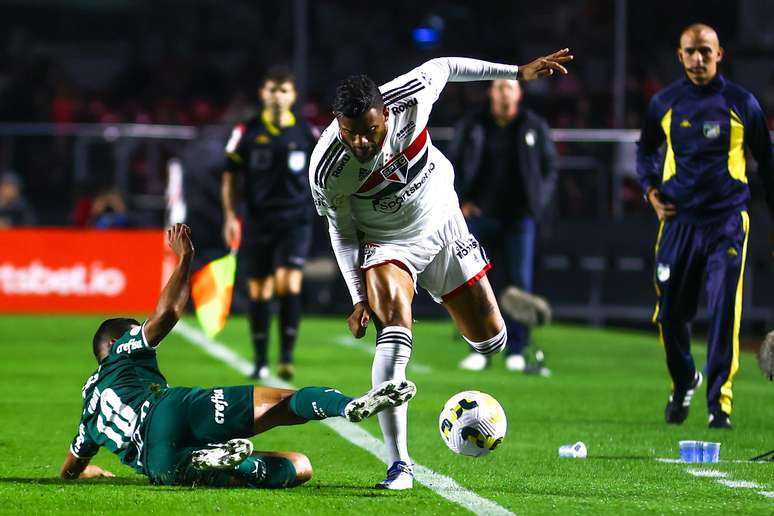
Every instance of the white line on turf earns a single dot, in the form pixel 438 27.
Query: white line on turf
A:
pixel 721 477
pixel 440 484
pixel 736 461
pixel 352 342
pixel 712 473
pixel 739 484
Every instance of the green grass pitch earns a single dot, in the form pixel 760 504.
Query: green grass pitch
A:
pixel 608 389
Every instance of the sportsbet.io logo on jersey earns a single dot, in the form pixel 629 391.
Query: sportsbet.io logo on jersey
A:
pixel 392 203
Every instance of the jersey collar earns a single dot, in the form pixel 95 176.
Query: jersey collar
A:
pixel 273 129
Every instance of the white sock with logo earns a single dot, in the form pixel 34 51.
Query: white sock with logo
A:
pixel 393 350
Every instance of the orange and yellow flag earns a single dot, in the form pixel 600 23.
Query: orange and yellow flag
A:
pixel 211 289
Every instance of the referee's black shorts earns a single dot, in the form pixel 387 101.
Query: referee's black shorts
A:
pixel 268 247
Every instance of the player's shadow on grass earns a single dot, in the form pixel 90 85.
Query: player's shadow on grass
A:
pixel 348 490
pixel 114 481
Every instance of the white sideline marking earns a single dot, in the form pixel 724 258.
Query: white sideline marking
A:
pixel 351 342
pixel 721 477
pixel 735 461
pixel 739 484
pixel 712 473
pixel 440 484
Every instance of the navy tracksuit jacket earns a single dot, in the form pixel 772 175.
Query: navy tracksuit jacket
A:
pixel 703 173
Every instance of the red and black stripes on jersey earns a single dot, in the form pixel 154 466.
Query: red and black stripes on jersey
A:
pixel 396 173
pixel 332 154
pixel 401 92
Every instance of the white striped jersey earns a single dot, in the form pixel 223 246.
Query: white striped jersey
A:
pixel 407 189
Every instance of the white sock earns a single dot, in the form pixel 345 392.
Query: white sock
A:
pixel 490 346
pixel 393 350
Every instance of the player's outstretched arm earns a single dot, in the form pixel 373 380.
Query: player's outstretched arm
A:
pixel 545 66
pixel 73 468
pixel 174 297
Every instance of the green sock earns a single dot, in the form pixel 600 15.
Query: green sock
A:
pixel 318 402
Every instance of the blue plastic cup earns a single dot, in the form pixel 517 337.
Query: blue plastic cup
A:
pixel 691 451
pixel 710 452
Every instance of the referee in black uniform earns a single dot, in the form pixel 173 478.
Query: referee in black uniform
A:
pixel 266 162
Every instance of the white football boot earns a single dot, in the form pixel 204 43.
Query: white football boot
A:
pixel 226 455
pixel 260 373
pixel 515 362
pixel 400 476
pixel 474 362
pixel 391 393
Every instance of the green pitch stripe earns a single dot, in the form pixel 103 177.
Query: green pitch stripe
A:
pixel 440 484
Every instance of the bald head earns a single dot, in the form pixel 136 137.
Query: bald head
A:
pixel 700 52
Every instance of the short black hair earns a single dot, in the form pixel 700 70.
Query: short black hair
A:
pixel 355 95
pixel 110 329
pixel 278 75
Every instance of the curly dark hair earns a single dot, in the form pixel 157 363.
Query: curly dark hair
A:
pixel 355 95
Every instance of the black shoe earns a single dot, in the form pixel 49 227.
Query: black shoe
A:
pixel 286 371
pixel 677 407
pixel 720 420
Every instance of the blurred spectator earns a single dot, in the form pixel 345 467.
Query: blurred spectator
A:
pixel 14 210
pixel 506 176
pixel 103 209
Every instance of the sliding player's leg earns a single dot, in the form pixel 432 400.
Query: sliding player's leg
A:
pixel 218 421
pixel 390 294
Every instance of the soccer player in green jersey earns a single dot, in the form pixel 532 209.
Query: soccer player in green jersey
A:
pixel 187 436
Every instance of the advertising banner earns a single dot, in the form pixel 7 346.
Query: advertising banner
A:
pixel 80 271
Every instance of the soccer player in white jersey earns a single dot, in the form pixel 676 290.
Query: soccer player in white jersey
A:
pixel 395 222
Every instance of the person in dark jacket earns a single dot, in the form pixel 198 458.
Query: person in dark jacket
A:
pixel 506 175
pixel 699 191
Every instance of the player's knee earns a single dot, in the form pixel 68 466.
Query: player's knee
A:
pixel 260 289
pixel 392 313
pixel 303 467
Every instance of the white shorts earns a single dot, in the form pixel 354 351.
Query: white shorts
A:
pixel 441 263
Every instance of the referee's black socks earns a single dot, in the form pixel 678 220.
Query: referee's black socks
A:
pixel 290 316
pixel 260 312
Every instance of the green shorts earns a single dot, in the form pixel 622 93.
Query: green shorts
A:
pixel 188 419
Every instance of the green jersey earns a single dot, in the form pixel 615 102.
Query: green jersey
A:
pixel 117 399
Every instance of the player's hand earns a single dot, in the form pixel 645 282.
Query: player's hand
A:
pixel 545 66
pixel 179 239
pixel 470 209
pixel 93 471
pixel 358 320
pixel 664 210
pixel 231 230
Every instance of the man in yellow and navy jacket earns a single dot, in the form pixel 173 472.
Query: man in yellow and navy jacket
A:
pixel 699 191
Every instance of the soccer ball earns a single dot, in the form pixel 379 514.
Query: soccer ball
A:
pixel 472 423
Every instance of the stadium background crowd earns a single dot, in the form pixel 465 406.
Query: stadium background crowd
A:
pixel 115 62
